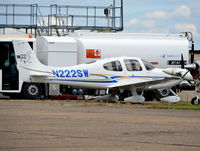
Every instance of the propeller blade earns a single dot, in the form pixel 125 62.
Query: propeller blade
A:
pixel 192 57
pixel 182 62
pixel 192 52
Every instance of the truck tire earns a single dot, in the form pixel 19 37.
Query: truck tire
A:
pixel 32 90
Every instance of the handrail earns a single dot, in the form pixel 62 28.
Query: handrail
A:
pixel 47 19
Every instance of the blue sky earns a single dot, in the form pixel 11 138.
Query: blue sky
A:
pixel 152 16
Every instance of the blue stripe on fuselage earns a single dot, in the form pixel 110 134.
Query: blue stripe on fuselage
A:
pixel 86 81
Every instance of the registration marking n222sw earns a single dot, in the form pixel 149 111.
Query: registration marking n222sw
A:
pixel 70 73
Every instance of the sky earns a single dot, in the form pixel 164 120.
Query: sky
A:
pixel 145 16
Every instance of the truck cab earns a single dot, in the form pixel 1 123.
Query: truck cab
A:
pixel 10 82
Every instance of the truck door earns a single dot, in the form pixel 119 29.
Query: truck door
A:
pixel 8 70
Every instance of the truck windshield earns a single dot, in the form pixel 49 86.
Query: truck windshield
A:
pixel 148 65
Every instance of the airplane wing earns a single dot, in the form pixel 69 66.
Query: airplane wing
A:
pixel 167 82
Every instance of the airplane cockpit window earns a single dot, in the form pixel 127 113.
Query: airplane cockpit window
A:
pixel 132 65
pixel 148 65
pixel 113 66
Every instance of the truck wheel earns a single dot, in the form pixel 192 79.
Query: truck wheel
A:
pixel 32 90
pixel 195 101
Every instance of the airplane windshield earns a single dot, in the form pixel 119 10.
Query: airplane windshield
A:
pixel 148 65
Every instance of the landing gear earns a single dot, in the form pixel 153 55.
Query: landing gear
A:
pixel 168 95
pixel 136 97
pixel 196 99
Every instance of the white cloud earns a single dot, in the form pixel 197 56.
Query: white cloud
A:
pixel 148 23
pixel 157 15
pixel 187 27
pixel 133 21
pixel 183 11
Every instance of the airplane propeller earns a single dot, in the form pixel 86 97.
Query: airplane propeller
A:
pixel 194 69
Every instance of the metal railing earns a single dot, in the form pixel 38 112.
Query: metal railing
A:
pixel 61 19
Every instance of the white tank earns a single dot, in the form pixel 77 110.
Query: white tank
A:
pixel 162 50
pixel 57 51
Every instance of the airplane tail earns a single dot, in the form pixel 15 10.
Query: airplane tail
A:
pixel 27 62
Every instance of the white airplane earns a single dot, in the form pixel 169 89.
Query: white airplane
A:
pixel 115 74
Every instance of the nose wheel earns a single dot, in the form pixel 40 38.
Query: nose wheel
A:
pixel 195 101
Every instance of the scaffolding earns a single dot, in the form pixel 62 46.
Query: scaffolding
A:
pixel 60 19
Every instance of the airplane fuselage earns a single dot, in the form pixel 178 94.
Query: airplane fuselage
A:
pixel 102 74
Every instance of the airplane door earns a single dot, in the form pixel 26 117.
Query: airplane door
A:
pixel 9 73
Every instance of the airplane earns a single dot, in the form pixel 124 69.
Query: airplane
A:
pixel 113 74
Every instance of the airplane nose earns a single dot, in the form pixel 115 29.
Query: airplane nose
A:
pixel 174 71
pixel 178 72
pixel 168 71
pixel 190 67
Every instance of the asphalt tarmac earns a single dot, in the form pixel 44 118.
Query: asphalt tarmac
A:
pixel 58 126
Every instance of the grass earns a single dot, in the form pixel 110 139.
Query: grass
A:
pixel 149 105
pixel 177 107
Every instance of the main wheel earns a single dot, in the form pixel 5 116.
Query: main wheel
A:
pixel 32 90
pixel 195 101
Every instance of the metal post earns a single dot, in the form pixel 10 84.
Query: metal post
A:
pixel 56 15
pixel 6 14
pixel 87 17
pixel 36 18
pixel 31 13
pixel 36 14
pixel 122 17
pixel 67 18
pixel 95 10
pixel 113 15
pixel 13 14
pixel 51 11
pixel 48 32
